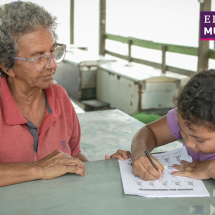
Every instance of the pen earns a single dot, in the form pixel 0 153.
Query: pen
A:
pixel 148 156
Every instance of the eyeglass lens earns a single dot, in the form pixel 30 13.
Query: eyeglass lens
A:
pixel 43 61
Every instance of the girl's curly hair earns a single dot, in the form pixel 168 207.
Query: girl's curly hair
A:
pixel 196 101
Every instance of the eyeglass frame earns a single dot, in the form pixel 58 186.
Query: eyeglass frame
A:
pixel 50 57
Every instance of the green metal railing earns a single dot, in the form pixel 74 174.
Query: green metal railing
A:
pixel 193 51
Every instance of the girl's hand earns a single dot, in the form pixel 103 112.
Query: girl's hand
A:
pixel 143 168
pixel 120 154
pixel 196 169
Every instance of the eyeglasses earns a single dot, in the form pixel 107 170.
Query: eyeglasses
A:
pixel 42 62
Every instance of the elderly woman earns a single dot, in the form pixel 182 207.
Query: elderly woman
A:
pixel 39 129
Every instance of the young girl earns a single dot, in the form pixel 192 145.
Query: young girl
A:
pixel 193 120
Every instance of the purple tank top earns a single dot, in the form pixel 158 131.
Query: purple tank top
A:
pixel 175 130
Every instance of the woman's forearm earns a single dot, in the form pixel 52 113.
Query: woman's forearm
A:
pixel 14 173
pixel 52 166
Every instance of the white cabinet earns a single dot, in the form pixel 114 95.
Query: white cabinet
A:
pixel 133 89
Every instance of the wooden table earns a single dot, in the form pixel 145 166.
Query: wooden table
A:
pixel 98 193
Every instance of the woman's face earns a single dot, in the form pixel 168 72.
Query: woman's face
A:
pixel 32 45
pixel 198 138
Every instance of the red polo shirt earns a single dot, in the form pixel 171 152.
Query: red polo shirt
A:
pixel 59 130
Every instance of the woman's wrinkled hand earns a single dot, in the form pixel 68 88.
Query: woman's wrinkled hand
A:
pixel 120 154
pixel 195 170
pixel 59 163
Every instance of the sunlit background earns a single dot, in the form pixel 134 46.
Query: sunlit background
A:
pixel 165 21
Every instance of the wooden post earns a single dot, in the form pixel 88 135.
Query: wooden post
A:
pixel 203 51
pixel 129 50
pixel 72 21
pixel 102 26
pixel 163 64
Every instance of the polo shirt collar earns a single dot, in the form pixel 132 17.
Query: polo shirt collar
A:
pixel 53 102
pixel 11 113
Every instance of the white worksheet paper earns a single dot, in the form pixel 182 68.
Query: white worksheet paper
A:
pixel 169 185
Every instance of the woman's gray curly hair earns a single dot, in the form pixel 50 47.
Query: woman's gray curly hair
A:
pixel 17 19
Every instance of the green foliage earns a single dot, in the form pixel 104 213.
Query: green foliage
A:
pixel 146 118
